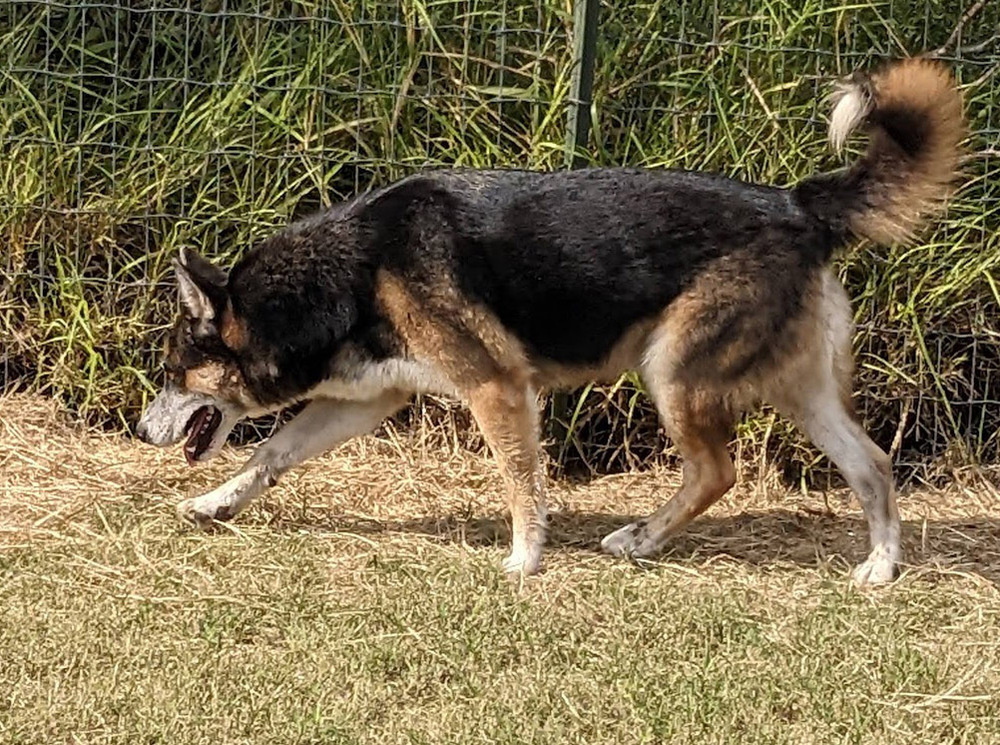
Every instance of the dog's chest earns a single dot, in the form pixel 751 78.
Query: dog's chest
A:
pixel 358 380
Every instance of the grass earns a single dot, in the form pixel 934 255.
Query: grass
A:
pixel 126 132
pixel 360 601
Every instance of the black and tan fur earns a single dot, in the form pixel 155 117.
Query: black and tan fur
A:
pixel 492 285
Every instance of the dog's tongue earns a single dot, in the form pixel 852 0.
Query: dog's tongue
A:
pixel 200 429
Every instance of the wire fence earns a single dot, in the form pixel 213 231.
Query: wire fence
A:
pixel 128 129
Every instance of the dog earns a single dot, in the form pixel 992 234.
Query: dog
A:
pixel 491 285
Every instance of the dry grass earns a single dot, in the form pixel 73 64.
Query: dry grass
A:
pixel 360 601
pixel 59 481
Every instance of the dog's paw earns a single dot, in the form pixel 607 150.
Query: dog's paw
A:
pixel 202 515
pixel 523 562
pixel 877 569
pixel 632 541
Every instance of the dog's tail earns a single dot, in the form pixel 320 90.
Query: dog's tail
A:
pixel 913 113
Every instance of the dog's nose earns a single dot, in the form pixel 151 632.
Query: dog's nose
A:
pixel 141 433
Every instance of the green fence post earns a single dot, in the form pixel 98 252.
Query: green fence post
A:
pixel 577 133
pixel 582 83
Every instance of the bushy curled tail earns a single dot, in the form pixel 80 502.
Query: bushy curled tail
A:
pixel 912 111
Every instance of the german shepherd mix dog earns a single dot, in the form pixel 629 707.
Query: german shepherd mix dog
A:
pixel 490 285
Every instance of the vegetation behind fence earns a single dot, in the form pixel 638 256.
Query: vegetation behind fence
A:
pixel 129 129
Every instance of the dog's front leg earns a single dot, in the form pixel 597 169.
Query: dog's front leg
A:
pixel 508 417
pixel 322 425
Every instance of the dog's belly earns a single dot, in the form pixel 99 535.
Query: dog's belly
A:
pixel 623 355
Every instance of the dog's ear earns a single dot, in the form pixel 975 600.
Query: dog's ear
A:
pixel 202 289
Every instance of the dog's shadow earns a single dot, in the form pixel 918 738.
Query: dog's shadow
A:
pixel 800 538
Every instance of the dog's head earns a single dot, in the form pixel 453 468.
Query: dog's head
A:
pixel 205 393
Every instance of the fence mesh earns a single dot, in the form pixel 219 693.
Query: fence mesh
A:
pixel 128 129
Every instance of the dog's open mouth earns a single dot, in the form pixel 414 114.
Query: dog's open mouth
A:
pixel 200 430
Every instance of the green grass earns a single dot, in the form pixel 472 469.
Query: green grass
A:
pixel 149 636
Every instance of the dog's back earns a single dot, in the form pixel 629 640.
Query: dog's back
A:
pixel 569 262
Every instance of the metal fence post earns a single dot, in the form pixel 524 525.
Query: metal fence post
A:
pixel 582 83
pixel 577 133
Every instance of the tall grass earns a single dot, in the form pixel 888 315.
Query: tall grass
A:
pixel 127 130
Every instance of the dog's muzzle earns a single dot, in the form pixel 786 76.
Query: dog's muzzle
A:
pixel 142 432
pixel 164 421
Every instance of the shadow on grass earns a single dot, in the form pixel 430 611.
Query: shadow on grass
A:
pixel 798 537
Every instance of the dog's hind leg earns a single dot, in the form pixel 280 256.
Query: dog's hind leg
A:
pixel 700 424
pixel 831 425
pixel 507 414
pixel 817 397
pixel 322 425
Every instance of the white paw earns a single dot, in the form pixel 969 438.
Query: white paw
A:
pixel 202 513
pixel 224 502
pixel 634 540
pixel 523 561
pixel 878 569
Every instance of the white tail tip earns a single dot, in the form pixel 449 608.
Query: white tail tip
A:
pixel 852 105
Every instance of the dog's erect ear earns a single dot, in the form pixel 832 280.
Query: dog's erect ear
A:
pixel 202 287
